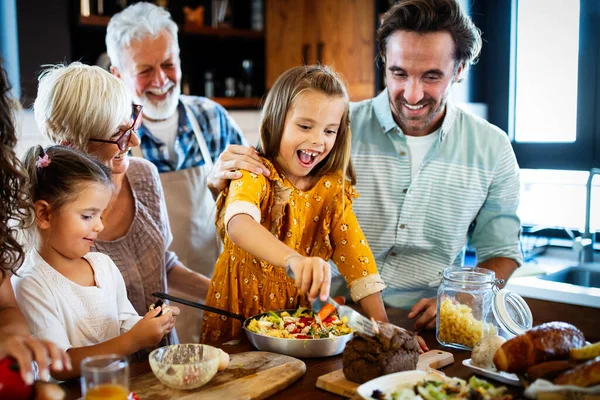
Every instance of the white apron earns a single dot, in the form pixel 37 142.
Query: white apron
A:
pixel 191 209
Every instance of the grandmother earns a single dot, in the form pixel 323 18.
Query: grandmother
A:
pixel 89 109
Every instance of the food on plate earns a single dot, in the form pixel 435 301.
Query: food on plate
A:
pixel 484 350
pixel 586 374
pixel 458 325
pixel 224 361
pixel 586 352
pixel 328 309
pixel 550 369
pixel 302 324
pixel 546 342
pixel 447 388
pixel 393 349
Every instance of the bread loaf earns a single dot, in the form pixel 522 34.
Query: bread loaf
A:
pixel 546 342
pixel 586 374
pixel 550 369
pixel 393 349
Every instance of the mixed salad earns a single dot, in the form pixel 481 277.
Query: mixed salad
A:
pixel 453 388
pixel 302 324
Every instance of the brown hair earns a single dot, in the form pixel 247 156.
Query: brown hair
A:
pixel 60 181
pixel 427 16
pixel 285 91
pixel 15 210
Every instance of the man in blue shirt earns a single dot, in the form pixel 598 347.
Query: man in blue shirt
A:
pixel 429 173
pixel 181 135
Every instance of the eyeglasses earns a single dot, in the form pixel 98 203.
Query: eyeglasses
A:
pixel 123 140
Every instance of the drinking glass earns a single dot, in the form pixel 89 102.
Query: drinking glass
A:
pixel 105 377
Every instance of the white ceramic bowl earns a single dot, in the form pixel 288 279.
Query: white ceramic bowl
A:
pixel 388 384
pixel 185 366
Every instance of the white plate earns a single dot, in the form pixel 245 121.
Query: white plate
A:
pixel 393 382
pixel 500 376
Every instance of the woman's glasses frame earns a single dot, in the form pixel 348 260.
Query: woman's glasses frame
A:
pixel 123 141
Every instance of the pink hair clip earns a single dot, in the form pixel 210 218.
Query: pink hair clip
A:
pixel 42 161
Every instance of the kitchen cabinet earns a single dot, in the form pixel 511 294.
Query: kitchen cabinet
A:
pixel 219 51
pixel 338 33
pixel 57 31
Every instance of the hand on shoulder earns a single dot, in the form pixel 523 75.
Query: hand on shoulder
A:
pixel 227 166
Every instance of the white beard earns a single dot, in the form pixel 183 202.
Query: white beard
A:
pixel 163 109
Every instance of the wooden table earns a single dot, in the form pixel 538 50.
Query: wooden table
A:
pixel 585 318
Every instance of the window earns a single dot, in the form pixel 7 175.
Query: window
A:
pixel 539 74
pixel 9 46
pixel 547 45
pixel 552 84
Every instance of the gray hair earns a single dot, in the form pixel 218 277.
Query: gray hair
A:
pixel 77 102
pixel 136 22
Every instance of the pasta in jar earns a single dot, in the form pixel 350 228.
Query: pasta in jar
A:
pixel 458 325
pixel 464 307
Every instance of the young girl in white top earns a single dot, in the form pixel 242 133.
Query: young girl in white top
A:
pixel 72 296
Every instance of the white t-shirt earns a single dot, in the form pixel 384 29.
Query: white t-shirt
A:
pixel 166 131
pixel 68 314
pixel 418 146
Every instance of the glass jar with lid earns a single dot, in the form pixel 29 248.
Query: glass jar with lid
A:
pixel 470 306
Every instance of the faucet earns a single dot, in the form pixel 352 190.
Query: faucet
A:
pixel 587 238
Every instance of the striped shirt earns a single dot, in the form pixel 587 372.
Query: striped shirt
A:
pixel 468 184
pixel 218 128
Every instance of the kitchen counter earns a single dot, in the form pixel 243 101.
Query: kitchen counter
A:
pixel 585 318
pixel 526 280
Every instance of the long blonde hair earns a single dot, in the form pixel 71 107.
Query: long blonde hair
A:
pixel 291 84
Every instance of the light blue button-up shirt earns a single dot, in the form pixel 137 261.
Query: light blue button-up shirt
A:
pixel 467 183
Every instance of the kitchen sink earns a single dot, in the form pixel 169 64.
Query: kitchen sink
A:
pixel 581 275
pixel 558 277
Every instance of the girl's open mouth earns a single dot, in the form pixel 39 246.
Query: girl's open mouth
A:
pixel 307 158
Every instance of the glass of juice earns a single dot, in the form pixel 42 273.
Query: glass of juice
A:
pixel 105 377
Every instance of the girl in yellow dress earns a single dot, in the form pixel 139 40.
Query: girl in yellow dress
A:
pixel 299 216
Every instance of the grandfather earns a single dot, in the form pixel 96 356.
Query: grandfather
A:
pixel 181 135
pixel 430 175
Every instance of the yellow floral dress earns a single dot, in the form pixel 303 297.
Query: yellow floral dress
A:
pixel 316 223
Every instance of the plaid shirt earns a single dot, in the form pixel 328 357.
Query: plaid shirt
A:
pixel 218 128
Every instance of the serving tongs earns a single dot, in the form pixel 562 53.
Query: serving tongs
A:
pixel 198 305
pixel 356 321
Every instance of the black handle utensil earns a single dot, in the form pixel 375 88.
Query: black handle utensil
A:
pixel 198 305
pixel 159 303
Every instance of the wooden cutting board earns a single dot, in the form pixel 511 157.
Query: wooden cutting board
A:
pixel 250 375
pixel 336 382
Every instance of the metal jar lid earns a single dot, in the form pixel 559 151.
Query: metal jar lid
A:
pixel 512 312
